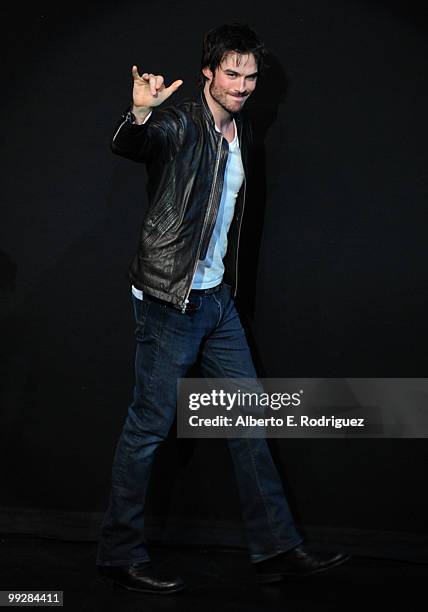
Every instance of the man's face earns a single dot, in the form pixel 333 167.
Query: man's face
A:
pixel 234 80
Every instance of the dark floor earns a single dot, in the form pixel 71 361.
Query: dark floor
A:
pixel 218 580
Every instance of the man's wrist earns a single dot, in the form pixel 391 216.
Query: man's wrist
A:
pixel 140 113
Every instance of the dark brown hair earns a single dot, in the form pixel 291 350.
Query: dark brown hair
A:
pixel 222 39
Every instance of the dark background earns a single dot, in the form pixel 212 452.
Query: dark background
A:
pixel 333 279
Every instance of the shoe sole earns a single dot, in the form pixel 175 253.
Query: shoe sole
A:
pixel 114 583
pixel 279 576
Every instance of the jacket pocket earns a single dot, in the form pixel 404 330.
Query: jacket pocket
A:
pixel 159 223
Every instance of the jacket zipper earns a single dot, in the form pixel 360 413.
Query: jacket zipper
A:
pixel 217 162
pixel 240 224
pixel 239 235
pixel 118 130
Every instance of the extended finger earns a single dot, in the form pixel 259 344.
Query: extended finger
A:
pixel 174 86
pixel 135 72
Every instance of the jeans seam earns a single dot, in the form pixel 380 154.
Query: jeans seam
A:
pixel 141 324
pixel 157 351
pixel 262 494
pixel 219 308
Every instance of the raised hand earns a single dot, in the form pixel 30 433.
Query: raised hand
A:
pixel 149 90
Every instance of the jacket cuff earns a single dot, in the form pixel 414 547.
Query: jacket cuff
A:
pixel 131 119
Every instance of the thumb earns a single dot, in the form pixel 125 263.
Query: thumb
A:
pixel 174 86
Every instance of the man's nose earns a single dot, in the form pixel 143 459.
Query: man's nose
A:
pixel 241 85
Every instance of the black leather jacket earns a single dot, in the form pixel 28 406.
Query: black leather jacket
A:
pixel 185 157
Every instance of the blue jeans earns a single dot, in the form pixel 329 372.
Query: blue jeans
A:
pixel 168 344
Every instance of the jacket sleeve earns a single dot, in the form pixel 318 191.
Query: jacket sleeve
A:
pixel 159 137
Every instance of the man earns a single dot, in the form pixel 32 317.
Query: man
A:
pixel 184 280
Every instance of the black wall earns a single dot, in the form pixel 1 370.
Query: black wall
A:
pixel 333 273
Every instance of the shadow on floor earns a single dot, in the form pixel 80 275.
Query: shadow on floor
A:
pixel 218 580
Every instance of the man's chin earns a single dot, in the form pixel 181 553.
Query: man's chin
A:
pixel 236 106
pixel 231 106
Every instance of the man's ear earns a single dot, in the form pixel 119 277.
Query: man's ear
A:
pixel 207 73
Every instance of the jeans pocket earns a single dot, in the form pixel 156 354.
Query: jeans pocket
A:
pixel 140 308
pixel 194 304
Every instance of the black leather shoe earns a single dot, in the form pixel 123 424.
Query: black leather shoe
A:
pixel 296 562
pixel 141 577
